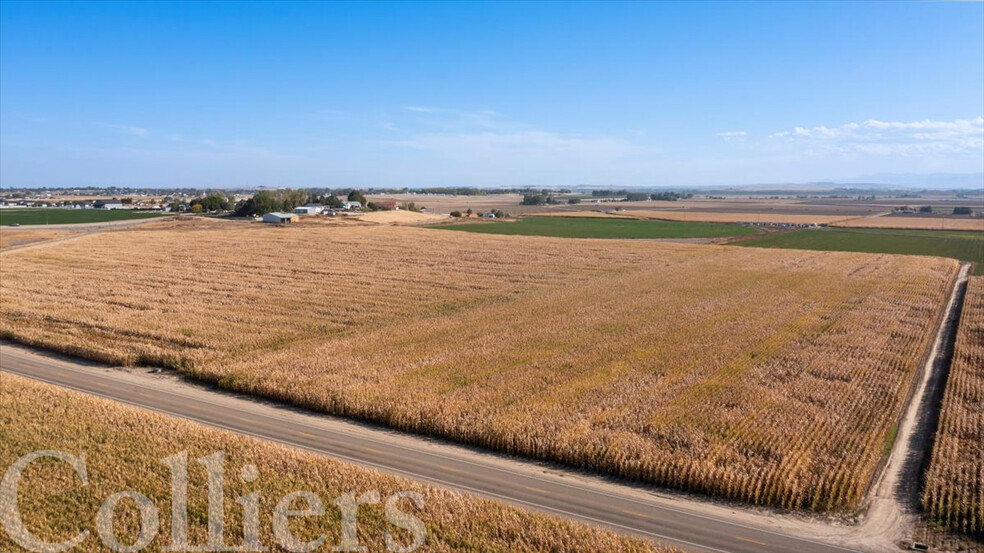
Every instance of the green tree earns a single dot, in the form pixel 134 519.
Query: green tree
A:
pixel 262 202
pixel 357 196
pixel 542 198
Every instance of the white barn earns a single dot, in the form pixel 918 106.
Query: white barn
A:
pixel 279 218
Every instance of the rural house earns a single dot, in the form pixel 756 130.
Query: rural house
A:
pixel 310 209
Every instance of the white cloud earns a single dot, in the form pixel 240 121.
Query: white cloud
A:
pixel 423 109
pixel 875 137
pixel 732 134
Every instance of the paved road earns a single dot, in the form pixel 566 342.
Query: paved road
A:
pixel 487 475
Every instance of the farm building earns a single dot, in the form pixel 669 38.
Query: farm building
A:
pixel 387 204
pixel 310 209
pixel 279 218
pixel 351 205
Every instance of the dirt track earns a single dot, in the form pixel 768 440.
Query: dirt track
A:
pixel 894 509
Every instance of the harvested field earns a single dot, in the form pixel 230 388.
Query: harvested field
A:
pixel 123 448
pixel 738 217
pixel 925 223
pixel 954 494
pixel 15 238
pixel 446 203
pixel 772 377
pixel 403 217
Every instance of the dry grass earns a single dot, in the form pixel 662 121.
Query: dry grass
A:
pixel 917 223
pixel 123 447
pixel 954 495
pixel 16 238
pixel 746 217
pixel 767 376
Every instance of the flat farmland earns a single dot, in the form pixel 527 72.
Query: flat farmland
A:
pixel 58 216
pixel 123 448
pixel 738 217
pixel 966 246
pixel 924 223
pixel 954 494
pixel 771 377
pixel 602 227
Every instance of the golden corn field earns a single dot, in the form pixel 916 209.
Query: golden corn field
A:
pixel 123 448
pixel 767 376
pixel 954 494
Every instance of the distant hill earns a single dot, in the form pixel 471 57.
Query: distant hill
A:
pixel 915 180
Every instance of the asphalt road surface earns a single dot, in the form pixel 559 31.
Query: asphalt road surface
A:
pixel 542 491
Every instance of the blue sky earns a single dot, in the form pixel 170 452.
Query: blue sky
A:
pixel 486 94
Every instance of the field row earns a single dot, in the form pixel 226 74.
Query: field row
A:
pixel 954 495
